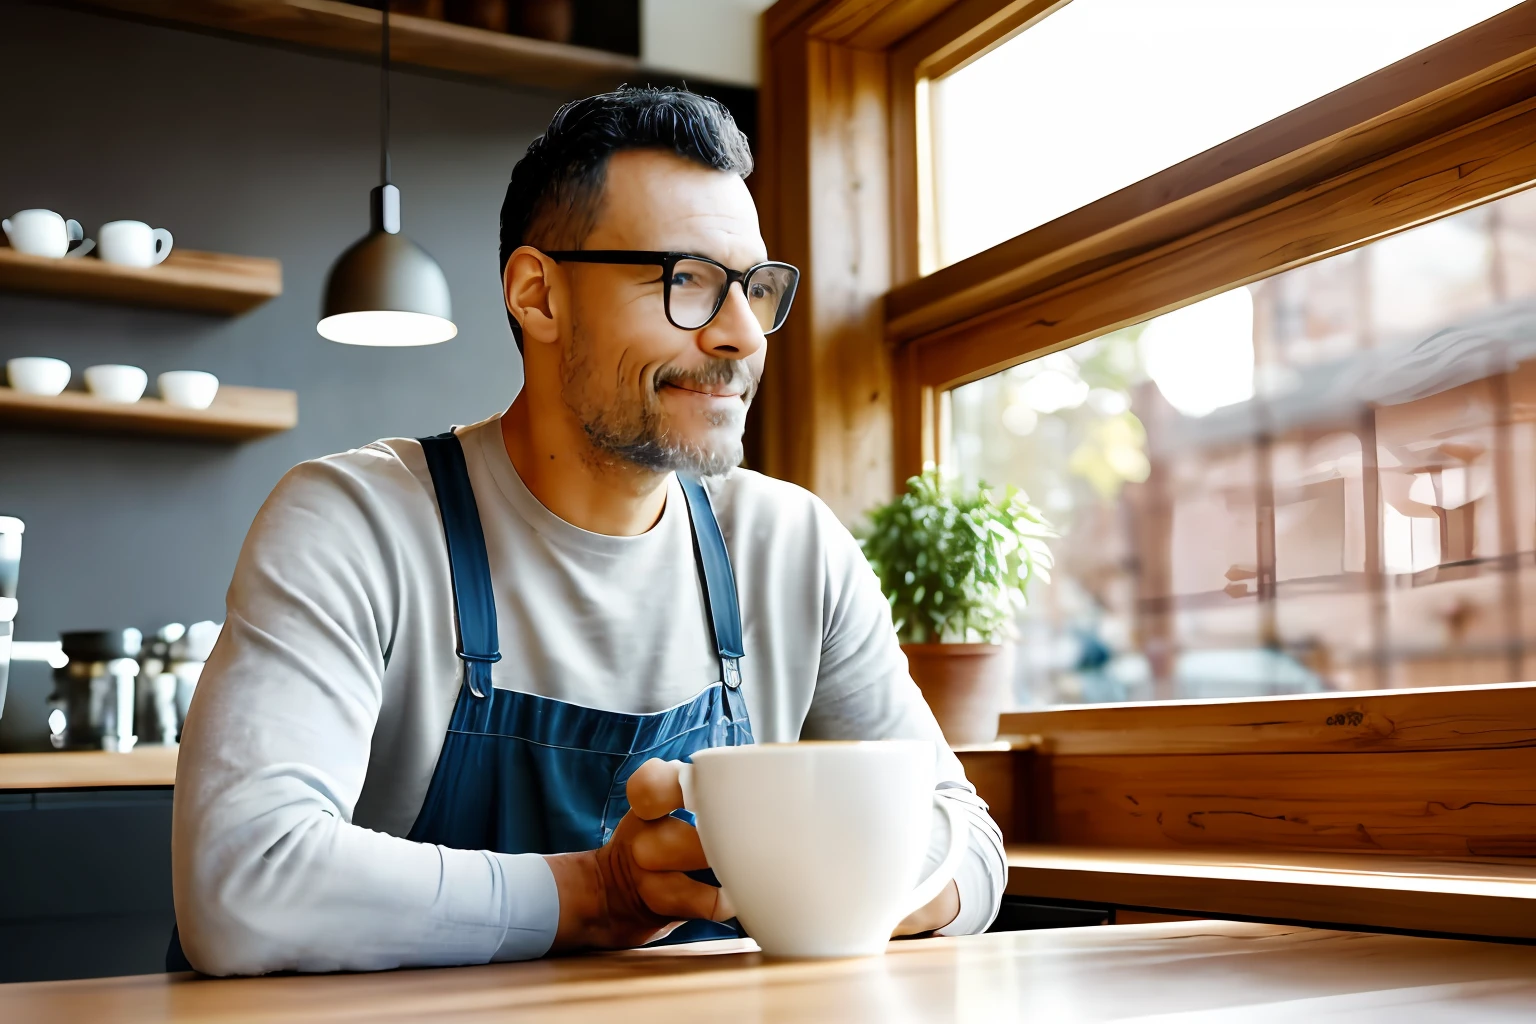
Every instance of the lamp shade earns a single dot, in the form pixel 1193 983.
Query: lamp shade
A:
pixel 386 290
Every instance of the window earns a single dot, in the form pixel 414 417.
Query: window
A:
pixel 1325 480
pixel 1104 93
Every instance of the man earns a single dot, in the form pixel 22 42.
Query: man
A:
pixel 443 722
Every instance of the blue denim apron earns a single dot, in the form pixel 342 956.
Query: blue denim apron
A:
pixel 521 773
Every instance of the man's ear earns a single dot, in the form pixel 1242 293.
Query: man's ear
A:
pixel 534 291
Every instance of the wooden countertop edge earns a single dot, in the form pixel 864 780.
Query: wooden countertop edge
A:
pixel 156 766
pixel 88 769
pixel 1475 897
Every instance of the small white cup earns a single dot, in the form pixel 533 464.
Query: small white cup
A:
pixel 132 243
pixel 817 844
pixel 41 232
pixel 114 382
pixel 37 375
pixel 190 389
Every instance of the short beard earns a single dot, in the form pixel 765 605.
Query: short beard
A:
pixel 638 436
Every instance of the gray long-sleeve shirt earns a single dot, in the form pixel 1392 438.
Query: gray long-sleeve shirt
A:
pixel 319 717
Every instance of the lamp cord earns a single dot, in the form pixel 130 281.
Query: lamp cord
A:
pixel 384 103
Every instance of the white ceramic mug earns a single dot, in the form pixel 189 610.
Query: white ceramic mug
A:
pixel 41 232
pixel 133 243
pixel 190 389
pixel 115 382
pixel 819 845
pixel 37 375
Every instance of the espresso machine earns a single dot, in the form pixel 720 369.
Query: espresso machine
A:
pixel 94 694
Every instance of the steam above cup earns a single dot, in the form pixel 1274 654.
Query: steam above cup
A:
pixel 41 233
pixel 132 243
pixel 818 845
pixel 114 382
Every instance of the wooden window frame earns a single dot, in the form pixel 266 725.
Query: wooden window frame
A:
pixel 852 401
pixel 1439 131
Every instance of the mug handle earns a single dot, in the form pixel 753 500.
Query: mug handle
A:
pixel 163 242
pixel 929 888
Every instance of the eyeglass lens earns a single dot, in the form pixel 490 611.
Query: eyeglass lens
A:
pixel 697 290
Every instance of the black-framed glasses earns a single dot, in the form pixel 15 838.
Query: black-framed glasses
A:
pixel 694 287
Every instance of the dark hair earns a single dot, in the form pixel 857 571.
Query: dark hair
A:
pixel 553 197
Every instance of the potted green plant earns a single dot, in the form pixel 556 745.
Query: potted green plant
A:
pixel 955 567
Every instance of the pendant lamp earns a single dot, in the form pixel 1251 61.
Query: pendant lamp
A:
pixel 386 290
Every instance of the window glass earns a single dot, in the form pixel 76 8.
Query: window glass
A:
pixel 1322 481
pixel 1103 93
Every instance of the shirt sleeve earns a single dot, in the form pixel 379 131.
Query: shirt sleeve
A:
pixel 864 691
pixel 269 872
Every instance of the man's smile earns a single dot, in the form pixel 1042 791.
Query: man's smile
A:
pixel 707 390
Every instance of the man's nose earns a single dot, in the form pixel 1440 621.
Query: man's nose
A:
pixel 734 333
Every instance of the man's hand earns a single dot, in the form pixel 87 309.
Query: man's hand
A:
pixel 943 909
pixel 633 890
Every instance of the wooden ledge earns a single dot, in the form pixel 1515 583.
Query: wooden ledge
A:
pixel 89 769
pixel 1492 897
pixel 205 282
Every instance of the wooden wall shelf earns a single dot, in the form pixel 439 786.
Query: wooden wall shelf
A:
pixel 237 414
pixel 424 42
pixel 207 282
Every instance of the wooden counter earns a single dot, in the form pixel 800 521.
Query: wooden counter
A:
pixel 156 766
pixel 1203 971
pixel 1476 896
pixel 89 769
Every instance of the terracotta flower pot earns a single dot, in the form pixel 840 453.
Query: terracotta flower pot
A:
pixel 964 684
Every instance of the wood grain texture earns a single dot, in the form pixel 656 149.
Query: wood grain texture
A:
pixel 1450 718
pixel 424 42
pixel 88 769
pixel 1483 898
pixel 823 417
pixel 1001 777
pixel 1444 772
pixel 1457 81
pixel 1430 804
pixel 237 414
pixel 1200 971
pixel 1495 156
pixel 207 282
pixel 966 31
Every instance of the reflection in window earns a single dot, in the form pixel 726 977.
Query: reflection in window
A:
pixel 1103 93
pixel 1322 481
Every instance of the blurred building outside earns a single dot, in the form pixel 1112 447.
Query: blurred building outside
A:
pixel 1325 480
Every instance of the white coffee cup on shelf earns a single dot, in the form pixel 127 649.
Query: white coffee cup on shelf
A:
pixel 114 382
pixel 37 375
pixel 819 846
pixel 132 243
pixel 190 389
pixel 41 232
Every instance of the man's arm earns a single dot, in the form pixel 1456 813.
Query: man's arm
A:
pixel 864 691
pixel 270 873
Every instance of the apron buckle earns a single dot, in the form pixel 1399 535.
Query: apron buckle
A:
pixel 730 669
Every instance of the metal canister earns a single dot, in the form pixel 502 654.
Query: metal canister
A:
pixel 92 704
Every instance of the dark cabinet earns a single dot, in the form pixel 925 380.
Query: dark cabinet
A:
pixel 85 883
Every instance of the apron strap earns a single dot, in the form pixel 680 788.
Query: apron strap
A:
pixel 719 580
pixel 468 565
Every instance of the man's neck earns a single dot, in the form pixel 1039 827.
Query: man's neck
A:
pixel 587 488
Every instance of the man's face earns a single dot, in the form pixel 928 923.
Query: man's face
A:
pixel 644 390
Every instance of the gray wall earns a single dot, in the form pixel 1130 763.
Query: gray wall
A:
pixel 237 147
